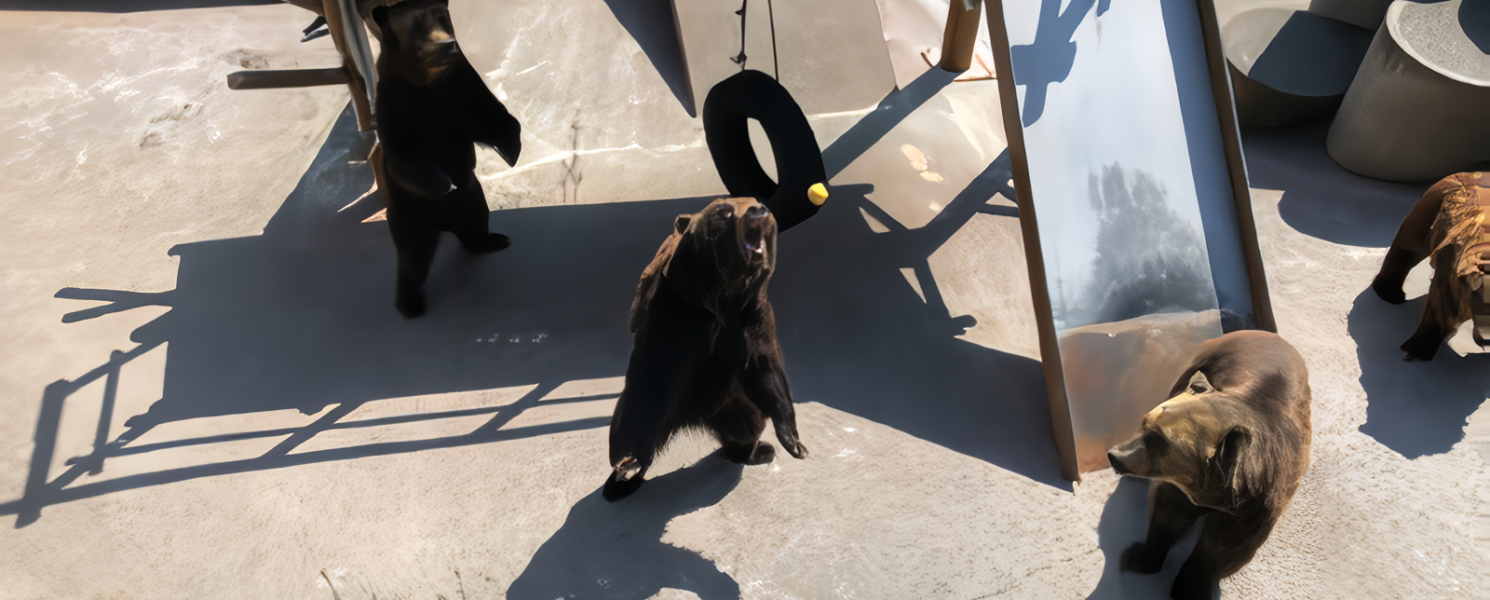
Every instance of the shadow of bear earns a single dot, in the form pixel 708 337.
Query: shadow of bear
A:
pixel 615 550
pixel 1414 408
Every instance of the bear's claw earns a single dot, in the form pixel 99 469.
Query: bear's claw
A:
pixel 627 468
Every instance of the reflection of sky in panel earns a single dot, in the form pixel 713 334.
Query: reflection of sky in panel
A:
pixel 1118 105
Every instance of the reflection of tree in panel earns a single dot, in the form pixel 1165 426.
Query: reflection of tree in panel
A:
pixel 1148 259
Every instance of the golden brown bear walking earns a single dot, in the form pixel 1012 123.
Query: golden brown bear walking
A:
pixel 1449 224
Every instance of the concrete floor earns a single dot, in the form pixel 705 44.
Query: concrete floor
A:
pixel 182 261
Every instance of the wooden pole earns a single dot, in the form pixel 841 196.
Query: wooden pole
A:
pixel 961 35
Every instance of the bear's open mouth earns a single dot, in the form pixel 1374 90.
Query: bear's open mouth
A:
pixel 755 236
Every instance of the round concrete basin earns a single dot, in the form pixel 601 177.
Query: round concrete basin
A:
pixel 1361 13
pixel 1290 66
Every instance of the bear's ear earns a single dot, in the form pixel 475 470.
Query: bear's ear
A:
pixel 380 17
pixel 1229 455
pixel 680 224
pixel 1199 384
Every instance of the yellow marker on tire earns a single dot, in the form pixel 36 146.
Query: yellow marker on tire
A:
pixel 817 194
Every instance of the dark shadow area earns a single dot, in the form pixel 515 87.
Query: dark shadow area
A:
pixel 123 6
pixel 1474 18
pixel 857 338
pixel 652 24
pixel 302 318
pixel 1125 522
pixel 1050 57
pixel 1312 55
pixel 1320 198
pixel 896 106
pixel 1414 408
pixel 615 550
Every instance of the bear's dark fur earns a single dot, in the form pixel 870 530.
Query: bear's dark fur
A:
pixel 704 352
pixel 1230 445
pixel 431 107
pixel 1451 224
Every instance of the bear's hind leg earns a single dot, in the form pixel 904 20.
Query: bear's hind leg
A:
pixel 1447 307
pixel 415 243
pixel 637 431
pixel 468 220
pixel 764 383
pixel 625 478
pixel 1423 345
pixel 738 426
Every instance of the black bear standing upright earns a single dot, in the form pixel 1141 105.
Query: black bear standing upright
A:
pixel 431 107
pixel 704 351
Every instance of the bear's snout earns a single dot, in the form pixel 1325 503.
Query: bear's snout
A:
pixel 1124 461
pixel 757 227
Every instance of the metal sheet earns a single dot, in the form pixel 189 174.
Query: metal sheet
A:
pixel 1133 198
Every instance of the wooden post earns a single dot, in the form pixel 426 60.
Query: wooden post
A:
pixel 259 80
pixel 338 23
pixel 961 35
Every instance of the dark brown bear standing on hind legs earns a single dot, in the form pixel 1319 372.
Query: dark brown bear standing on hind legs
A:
pixel 1229 446
pixel 1449 225
pixel 704 352
pixel 431 108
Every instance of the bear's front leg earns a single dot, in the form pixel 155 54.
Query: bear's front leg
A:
pixel 1170 516
pixel 1394 269
pixel 764 382
pixel 1196 580
pixel 472 104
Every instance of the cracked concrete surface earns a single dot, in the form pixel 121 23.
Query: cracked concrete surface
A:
pixel 286 435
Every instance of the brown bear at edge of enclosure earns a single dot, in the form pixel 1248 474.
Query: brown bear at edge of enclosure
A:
pixel 1230 446
pixel 431 107
pixel 1449 225
pixel 704 352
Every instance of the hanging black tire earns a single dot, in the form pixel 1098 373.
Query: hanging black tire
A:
pixel 755 95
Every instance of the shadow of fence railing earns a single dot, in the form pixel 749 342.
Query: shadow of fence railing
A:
pixel 301 318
